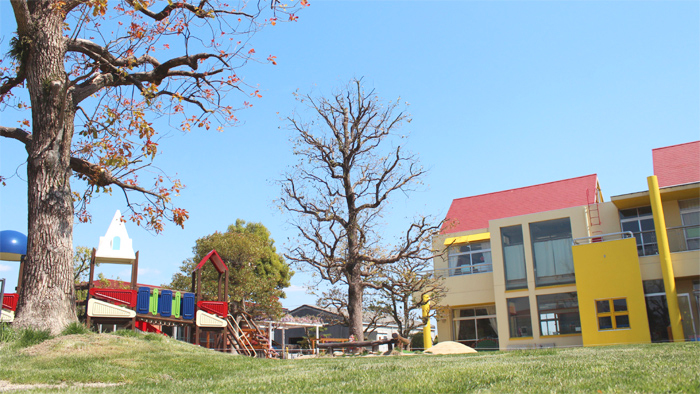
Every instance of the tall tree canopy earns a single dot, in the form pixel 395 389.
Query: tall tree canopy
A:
pixel 97 74
pixel 257 273
pixel 347 172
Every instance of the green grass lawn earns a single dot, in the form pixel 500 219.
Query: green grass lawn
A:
pixel 154 364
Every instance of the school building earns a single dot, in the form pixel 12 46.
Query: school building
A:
pixel 556 265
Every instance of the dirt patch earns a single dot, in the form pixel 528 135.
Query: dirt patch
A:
pixel 6 386
pixel 79 344
pixel 450 347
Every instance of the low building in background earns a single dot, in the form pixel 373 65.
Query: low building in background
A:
pixel 334 327
pixel 556 265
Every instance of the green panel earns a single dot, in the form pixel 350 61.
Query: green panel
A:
pixel 176 304
pixel 153 309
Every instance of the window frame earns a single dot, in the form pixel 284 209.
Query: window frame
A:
pixel 514 284
pixel 512 317
pixel 557 313
pixel 557 278
pixel 612 314
pixel 471 268
pixel 689 239
pixel 640 234
pixel 473 318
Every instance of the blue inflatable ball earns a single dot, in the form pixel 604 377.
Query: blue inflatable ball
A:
pixel 13 245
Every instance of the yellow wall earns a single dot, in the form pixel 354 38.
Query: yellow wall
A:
pixel 608 270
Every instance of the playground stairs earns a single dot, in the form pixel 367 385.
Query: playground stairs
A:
pixel 247 338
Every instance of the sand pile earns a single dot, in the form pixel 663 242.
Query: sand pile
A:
pixel 450 347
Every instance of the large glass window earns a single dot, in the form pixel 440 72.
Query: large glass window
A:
pixel 559 314
pixel 514 257
pixel 640 221
pixel 551 248
pixel 690 215
pixel 474 324
pixel 519 321
pixel 472 258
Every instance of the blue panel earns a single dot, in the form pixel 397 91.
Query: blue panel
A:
pixel 188 306
pixel 165 303
pixel 143 300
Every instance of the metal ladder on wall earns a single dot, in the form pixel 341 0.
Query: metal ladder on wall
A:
pixel 594 219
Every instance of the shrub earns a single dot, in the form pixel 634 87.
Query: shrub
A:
pixel 7 333
pixel 29 337
pixel 126 333
pixel 75 328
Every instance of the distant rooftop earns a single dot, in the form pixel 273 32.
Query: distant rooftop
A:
pixel 677 164
pixel 472 213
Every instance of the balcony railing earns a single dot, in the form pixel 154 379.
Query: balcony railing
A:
pixel 603 238
pixel 683 238
pixel 680 239
pixel 463 270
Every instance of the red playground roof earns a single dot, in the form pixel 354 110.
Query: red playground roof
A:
pixel 677 164
pixel 215 259
pixel 472 213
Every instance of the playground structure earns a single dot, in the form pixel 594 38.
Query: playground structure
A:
pixel 149 309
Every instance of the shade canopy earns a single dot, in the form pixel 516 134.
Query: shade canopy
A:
pixel 13 245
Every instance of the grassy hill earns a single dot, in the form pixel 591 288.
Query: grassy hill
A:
pixel 136 363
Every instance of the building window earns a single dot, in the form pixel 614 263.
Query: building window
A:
pixel 519 320
pixel 690 215
pixel 559 314
pixel 640 221
pixel 514 257
pixel 551 248
pixel 612 314
pixel 472 258
pixel 474 324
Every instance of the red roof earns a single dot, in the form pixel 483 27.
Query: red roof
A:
pixel 677 164
pixel 215 259
pixel 472 213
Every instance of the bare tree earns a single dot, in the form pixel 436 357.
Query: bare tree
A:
pixel 404 287
pixel 347 172
pixel 336 300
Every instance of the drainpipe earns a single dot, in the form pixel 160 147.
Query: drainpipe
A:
pixel 427 338
pixel 665 257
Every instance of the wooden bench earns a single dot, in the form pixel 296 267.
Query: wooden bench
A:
pixel 396 339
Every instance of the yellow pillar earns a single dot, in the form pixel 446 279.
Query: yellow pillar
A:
pixel 427 338
pixel 674 312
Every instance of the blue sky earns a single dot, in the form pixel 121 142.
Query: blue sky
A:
pixel 503 94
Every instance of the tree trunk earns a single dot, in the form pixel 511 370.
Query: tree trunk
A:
pixel 355 290
pixel 47 297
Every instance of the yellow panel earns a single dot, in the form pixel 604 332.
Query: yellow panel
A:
pixel 468 238
pixel 607 270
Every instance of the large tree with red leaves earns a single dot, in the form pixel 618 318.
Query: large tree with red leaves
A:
pixel 97 74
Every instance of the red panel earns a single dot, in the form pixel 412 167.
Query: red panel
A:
pixel 148 327
pixel 474 213
pixel 216 307
pixel 9 302
pixel 115 296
